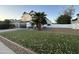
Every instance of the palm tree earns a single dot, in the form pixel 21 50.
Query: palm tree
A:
pixel 39 18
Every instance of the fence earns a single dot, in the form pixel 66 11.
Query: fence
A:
pixel 72 26
pixel 61 26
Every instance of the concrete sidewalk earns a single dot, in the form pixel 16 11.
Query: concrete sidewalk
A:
pixel 5 50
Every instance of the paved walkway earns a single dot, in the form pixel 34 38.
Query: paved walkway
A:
pixel 5 50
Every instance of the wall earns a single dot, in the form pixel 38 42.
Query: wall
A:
pixel 72 26
pixel 61 26
pixel 22 25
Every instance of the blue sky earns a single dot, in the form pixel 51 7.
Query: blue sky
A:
pixel 15 11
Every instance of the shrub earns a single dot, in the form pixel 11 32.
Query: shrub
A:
pixel 6 24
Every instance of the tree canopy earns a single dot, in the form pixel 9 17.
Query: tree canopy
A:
pixel 64 19
pixel 39 19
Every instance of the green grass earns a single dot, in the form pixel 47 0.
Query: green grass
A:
pixel 45 41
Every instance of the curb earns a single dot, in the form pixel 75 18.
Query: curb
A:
pixel 18 49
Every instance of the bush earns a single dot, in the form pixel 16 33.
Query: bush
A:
pixel 6 24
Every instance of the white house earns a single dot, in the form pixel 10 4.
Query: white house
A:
pixel 75 23
pixel 26 20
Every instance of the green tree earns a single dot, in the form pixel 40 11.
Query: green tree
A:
pixel 39 18
pixel 67 16
pixel 64 19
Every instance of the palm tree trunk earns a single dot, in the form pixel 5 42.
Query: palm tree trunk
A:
pixel 39 26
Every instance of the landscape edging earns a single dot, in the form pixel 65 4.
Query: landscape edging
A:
pixel 15 47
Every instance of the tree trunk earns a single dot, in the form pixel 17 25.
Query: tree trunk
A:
pixel 39 26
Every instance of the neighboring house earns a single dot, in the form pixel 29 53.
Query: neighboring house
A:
pixel 26 17
pixel 26 20
pixel 75 21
